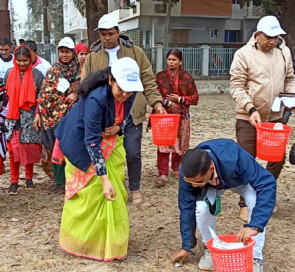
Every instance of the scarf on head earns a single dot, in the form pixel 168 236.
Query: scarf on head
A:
pixel 81 47
pixel 70 71
pixel 21 93
pixel 52 103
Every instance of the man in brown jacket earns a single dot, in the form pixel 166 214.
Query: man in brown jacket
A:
pixel 259 72
pixel 110 47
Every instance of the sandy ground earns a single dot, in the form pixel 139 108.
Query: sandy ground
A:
pixel 29 222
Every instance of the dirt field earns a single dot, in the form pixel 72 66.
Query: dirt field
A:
pixel 29 222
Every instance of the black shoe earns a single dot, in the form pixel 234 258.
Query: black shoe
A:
pixel 30 184
pixel 13 189
pixel 56 188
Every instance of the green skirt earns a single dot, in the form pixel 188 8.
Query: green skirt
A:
pixel 91 226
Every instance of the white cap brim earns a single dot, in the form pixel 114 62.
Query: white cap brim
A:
pixel 129 85
pixel 275 32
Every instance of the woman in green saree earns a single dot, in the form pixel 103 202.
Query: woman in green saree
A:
pixel 95 220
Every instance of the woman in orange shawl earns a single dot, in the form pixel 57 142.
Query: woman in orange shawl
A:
pixel 23 138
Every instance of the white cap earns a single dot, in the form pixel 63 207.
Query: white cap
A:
pixel 270 26
pixel 66 42
pixel 107 21
pixel 126 73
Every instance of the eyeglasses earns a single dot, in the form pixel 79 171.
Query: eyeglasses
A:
pixel 201 182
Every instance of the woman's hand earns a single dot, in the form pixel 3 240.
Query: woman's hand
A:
pixel 71 99
pixel 110 131
pixel 37 123
pixel 174 107
pixel 108 189
pixel 172 97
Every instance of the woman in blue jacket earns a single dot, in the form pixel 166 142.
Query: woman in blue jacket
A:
pixel 95 220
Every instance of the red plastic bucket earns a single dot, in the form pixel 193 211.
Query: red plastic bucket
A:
pixel 232 260
pixel 271 143
pixel 165 128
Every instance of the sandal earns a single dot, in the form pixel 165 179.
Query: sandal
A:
pixel 160 181
pixel 136 197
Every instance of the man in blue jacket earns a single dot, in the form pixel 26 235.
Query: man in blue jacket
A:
pixel 205 173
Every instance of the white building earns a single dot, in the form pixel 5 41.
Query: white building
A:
pixel 74 22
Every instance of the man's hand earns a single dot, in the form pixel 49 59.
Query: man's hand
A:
pixel 160 110
pixel 110 131
pixel 37 123
pixel 180 256
pixel 255 118
pixel 245 234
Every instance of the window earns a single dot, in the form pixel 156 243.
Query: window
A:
pixel 213 33
pixel 145 38
pixel 231 36
pixel 160 8
pixel 180 35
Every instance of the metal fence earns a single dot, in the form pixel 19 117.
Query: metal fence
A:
pixel 220 60
pixel 217 62
pixel 191 59
pixel 151 55
pixel 48 52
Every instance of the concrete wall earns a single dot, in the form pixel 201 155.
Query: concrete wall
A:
pixel 212 86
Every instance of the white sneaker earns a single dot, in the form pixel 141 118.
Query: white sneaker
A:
pixel 257 265
pixel 206 262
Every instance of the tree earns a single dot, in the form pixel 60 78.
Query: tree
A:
pixel 93 9
pixel 286 16
pixel 55 13
pixel 284 10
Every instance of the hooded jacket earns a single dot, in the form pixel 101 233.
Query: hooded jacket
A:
pixel 258 77
pixel 98 59
pixel 234 167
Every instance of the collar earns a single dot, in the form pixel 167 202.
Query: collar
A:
pixel 8 60
pixel 214 180
pixel 38 61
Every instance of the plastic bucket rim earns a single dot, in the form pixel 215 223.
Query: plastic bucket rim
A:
pixel 286 128
pixel 209 244
pixel 164 115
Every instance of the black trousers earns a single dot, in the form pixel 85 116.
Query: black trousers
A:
pixel 246 138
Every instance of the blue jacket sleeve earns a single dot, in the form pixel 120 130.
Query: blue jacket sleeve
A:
pixel 263 183
pixel 93 115
pixel 187 207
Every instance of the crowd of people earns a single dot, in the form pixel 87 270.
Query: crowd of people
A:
pixel 82 117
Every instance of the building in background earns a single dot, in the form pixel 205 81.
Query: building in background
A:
pixel 74 23
pixel 192 23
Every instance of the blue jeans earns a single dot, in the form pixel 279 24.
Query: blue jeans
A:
pixel 206 219
pixel 132 144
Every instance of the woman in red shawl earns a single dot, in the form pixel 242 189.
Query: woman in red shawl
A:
pixel 22 121
pixel 82 51
pixel 179 91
